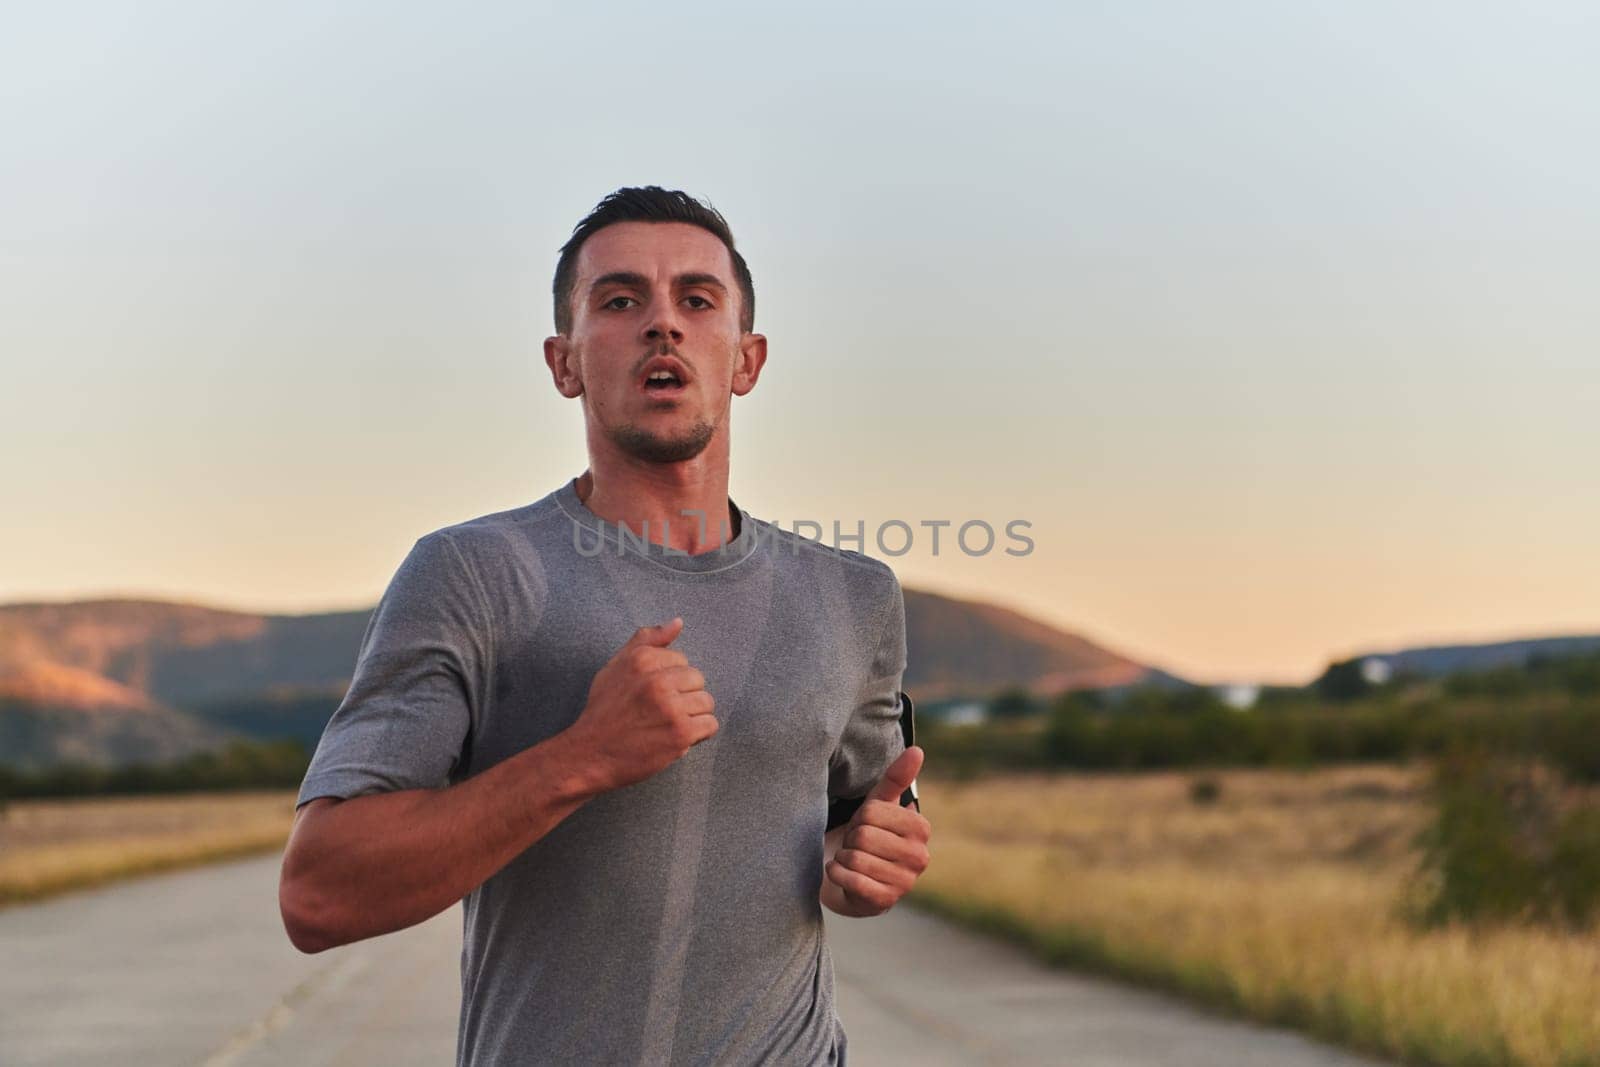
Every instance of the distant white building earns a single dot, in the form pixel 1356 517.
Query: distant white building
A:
pixel 1375 670
pixel 1239 696
pixel 967 714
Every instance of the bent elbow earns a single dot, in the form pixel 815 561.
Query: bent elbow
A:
pixel 304 940
pixel 306 918
pixel 303 934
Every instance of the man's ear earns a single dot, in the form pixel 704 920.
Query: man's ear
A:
pixel 752 357
pixel 563 368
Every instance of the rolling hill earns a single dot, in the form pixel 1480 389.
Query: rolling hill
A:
pixel 1436 661
pixel 118 681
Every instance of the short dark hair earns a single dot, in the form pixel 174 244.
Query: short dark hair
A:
pixel 649 203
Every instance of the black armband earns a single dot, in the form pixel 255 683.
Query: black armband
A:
pixel 843 810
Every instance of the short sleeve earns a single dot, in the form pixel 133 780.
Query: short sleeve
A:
pixel 417 686
pixel 873 739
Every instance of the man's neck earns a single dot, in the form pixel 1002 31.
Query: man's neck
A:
pixel 652 505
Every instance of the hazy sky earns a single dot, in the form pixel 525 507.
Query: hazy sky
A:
pixel 1277 322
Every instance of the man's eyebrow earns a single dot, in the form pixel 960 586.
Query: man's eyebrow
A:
pixel 686 281
pixel 620 277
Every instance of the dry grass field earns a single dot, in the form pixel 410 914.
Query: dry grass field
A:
pixel 47 846
pixel 1278 900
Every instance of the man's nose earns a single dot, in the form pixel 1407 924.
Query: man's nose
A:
pixel 664 324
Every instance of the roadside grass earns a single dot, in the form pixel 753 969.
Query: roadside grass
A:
pixel 1275 895
pixel 51 846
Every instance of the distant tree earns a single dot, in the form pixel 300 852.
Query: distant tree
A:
pixel 1280 697
pixel 1343 682
pixel 1082 700
pixel 1013 702
pixel 1193 700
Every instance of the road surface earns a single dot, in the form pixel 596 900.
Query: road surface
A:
pixel 193 968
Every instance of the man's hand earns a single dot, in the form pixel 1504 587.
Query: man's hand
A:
pixel 647 707
pixel 884 849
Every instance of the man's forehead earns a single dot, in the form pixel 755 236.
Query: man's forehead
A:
pixel 653 247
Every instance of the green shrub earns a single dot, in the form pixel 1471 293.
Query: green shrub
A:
pixel 1575 865
pixel 1013 702
pixel 1206 790
pixel 1505 845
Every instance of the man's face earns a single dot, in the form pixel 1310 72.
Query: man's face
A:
pixel 653 299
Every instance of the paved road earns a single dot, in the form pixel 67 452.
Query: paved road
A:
pixel 193 968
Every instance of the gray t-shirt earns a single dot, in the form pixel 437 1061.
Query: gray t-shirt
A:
pixel 675 920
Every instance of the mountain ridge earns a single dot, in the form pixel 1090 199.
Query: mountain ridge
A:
pixel 202 673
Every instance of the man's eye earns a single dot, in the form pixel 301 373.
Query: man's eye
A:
pixel 698 302
pixel 616 303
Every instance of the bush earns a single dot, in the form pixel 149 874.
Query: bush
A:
pixel 1014 702
pixel 1504 845
pixel 1207 790
pixel 1575 865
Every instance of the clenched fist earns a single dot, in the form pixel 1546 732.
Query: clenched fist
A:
pixel 884 849
pixel 647 707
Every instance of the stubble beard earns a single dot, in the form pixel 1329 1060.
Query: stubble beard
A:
pixel 653 448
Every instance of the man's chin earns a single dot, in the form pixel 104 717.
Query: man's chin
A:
pixel 654 448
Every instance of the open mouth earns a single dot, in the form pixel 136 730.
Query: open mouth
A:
pixel 663 382
pixel 664 377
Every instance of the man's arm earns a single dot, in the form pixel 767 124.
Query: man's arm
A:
pixel 376 863
pixel 381 862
